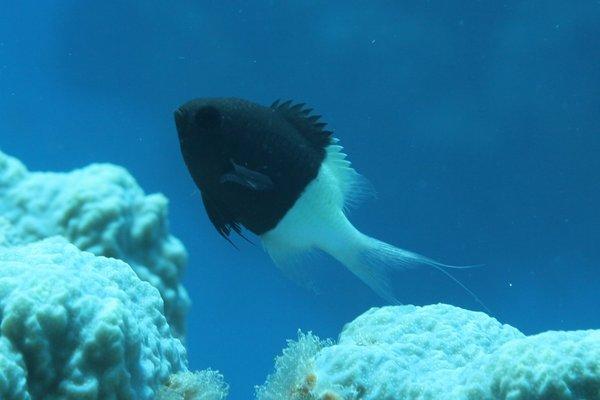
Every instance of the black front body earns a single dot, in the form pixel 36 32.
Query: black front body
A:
pixel 282 142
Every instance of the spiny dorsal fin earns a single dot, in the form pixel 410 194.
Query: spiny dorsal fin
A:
pixel 308 125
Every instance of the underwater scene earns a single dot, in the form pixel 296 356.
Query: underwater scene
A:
pixel 303 200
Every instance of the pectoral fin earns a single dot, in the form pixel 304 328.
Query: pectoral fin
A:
pixel 248 178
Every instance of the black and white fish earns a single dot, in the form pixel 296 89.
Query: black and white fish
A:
pixel 280 174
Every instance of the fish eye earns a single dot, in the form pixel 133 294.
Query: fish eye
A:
pixel 208 117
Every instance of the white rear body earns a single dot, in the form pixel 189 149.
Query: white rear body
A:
pixel 318 221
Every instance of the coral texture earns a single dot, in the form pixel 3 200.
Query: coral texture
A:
pixel 101 209
pixel 438 352
pixel 202 385
pixel 78 326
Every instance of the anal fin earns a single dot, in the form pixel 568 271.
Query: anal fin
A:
pixel 221 219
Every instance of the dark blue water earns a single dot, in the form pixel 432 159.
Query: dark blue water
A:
pixel 477 122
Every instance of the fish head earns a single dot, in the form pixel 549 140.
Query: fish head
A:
pixel 202 122
pixel 213 131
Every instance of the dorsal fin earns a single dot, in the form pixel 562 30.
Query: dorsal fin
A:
pixel 308 125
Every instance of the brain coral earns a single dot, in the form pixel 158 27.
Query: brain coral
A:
pixel 77 326
pixel 437 352
pixel 101 209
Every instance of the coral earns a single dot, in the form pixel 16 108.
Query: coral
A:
pixel 551 365
pixel 77 326
pixel 13 383
pixel 439 352
pixel 5 232
pixel 294 378
pixel 202 385
pixel 101 209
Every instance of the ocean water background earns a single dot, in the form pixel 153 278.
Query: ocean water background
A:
pixel 478 123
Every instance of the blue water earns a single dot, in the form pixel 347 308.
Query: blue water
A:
pixel 478 123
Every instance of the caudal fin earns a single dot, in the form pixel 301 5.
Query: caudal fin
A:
pixel 375 262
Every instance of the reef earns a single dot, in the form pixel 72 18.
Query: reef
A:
pixel 100 209
pixel 91 306
pixel 436 352
pixel 76 326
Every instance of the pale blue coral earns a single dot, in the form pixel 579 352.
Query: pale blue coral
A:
pixel 439 352
pixel 77 326
pixel 101 209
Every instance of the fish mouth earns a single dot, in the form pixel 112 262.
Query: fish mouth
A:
pixel 179 116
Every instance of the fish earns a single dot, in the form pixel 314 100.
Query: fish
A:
pixel 279 173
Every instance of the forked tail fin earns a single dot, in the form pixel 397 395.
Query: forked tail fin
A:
pixel 374 262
